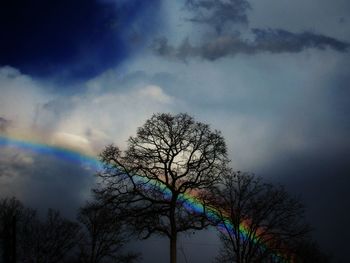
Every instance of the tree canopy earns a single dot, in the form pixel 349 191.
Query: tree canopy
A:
pixel 170 156
pixel 260 222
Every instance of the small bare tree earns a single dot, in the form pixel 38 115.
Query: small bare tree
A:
pixel 104 236
pixel 51 241
pixel 308 251
pixel 25 238
pixel 259 222
pixel 170 157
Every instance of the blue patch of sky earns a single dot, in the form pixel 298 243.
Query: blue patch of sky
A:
pixel 71 39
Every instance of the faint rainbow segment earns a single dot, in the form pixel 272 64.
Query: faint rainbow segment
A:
pixel 61 153
pixel 190 201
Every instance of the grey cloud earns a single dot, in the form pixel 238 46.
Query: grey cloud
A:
pixel 57 105
pixel 5 169
pixel 265 40
pixel 228 39
pixel 279 40
pixel 4 124
pixel 342 20
pixel 13 162
pixel 219 13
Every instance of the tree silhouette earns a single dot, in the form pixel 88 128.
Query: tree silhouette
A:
pixel 308 251
pixel 104 236
pixel 51 241
pixel 11 211
pixel 171 156
pixel 25 238
pixel 259 222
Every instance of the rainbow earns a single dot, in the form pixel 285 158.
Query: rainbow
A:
pixel 62 153
pixel 190 201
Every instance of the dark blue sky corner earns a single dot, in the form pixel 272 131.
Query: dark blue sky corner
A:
pixel 71 40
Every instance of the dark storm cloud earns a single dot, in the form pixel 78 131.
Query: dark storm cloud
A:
pixel 321 178
pixel 73 39
pixel 273 41
pixel 44 181
pixel 219 13
pixel 319 173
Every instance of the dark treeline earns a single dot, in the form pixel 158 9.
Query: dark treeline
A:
pixel 147 189
pixel 97 236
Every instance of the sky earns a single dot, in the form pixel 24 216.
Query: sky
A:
pixel 273 76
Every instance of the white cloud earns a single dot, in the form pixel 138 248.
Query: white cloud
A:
pixel 113 116
pixel 20 98
pixel 154 93
pixel 109 111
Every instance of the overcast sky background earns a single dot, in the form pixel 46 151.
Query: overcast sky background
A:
pixel 272 75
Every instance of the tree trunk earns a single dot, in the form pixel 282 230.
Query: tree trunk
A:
pixel 14 239
pixel 173 230
pixel 93 248
pixel 173 248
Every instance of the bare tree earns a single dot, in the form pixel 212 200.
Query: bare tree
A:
pixel 259 222
pixel 104 236
pixel 170 157
pixel 49 241
pixel 308 251
pixel 24 238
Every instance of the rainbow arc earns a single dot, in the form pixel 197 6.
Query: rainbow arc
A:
pixel 190 201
